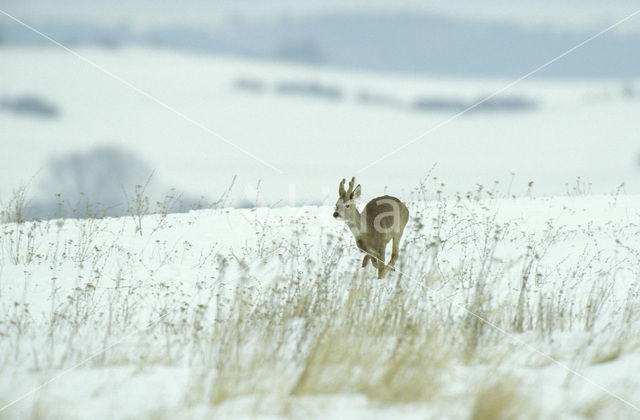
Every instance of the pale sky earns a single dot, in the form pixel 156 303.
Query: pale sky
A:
pixel 568 14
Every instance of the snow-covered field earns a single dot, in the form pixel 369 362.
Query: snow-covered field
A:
pixel 500 308
pixel 507 301
pixel 578 128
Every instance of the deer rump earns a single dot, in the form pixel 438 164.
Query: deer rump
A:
pixel 386 215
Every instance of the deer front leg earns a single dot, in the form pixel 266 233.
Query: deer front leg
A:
pixel 367 256
pixel 365 260
pixel 373 257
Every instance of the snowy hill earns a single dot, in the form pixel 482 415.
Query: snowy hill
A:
pixel 500 308
pixel 400 42
pixel 310 126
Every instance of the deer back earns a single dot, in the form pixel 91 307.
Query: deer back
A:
pixel 384 217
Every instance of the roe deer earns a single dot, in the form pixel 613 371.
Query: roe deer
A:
pixel 382 219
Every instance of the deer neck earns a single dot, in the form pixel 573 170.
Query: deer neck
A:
pixel 355 224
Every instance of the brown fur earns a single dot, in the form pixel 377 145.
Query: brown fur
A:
pixel 383 219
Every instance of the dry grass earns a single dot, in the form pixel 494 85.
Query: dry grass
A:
pixel 501 400
pixel 288 317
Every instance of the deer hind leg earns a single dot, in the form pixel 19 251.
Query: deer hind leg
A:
pixel 382 268
pixel 394 256
pixel 394 251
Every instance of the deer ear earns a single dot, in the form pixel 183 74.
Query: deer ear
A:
pixel 356 193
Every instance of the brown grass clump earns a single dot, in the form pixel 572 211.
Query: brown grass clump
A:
pixel 501 400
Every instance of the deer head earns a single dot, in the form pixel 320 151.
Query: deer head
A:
pixel 346 204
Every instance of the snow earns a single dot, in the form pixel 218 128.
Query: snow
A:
pixel 510 299
pixel 192 310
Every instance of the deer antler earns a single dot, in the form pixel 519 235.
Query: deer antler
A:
pixel 341 191
pixel 351 184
